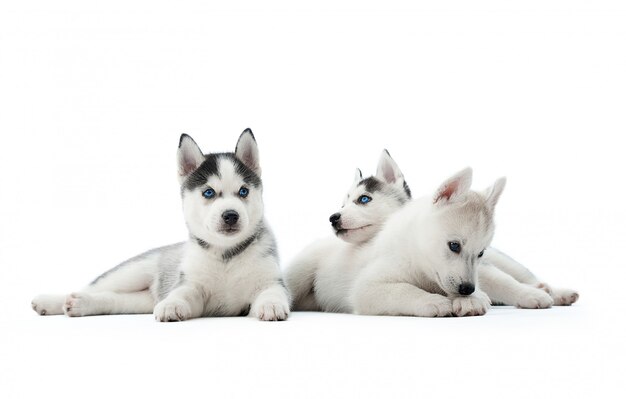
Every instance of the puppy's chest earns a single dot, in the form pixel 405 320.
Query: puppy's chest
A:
pixel 227 286
pixel 216 275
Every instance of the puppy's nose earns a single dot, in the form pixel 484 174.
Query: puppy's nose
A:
pixel 334 218
pixel 230 217
pixel 466 289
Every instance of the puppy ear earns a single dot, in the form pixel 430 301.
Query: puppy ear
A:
pixel 388 170
pixel 248 152
pixel 455 188
pixel 492 194
pixel 190 156
pixel 358 176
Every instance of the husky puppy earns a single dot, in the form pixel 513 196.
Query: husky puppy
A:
pixel 425 261
pixel 321 276
pixel 227 267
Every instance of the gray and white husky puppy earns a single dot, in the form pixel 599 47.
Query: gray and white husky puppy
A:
pixel 322 276
pixel 227 267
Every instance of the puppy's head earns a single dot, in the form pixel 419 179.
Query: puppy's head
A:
pixel 222 192
pixel 459 229
pixel 370 201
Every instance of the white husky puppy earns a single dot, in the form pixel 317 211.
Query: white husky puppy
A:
pixel 228 267
pixel 426 259
pixel 321 276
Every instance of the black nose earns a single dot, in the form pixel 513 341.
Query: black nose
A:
pixel 466 289
pixel 334 218
pixel 230 217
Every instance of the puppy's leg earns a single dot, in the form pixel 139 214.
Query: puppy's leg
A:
pixel 300 281
pixel 510 266
pixel 124 289
pixel 560 296
pixel 272 304
pixel 183 303
pixel 106 302
pixel 504 289
pixel 398 299
pixel 132 276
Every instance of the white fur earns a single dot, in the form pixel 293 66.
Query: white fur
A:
pixel 322 276
pixel 413 272
pixel 508 282
pixel 214 288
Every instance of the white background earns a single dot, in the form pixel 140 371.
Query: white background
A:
pixel 93 97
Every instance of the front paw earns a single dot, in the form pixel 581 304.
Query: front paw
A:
pixel 172 310
pixel 434 306
pixel 533 298
pixel 564 296
pixel 560 296
pixel 476 304
pixel 77 304
pixel 48 304
pixel 271 310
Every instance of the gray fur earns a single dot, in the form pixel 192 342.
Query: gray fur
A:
pixel 169 275
pixel 160 251
pixel 242 246
pixel 201 242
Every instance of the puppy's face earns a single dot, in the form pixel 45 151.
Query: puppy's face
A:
pixel 223 207
pixel 460 234
pixel 458 231
pixel 370 201
pixel 222 195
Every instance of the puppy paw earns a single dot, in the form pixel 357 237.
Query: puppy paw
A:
pixel 271 310
pixel 46 305
pixel 544 286
pixel 533 298
pixel 564 296
pixel 172 310
pixel 434 306
pixel 77 304
pixel 476 304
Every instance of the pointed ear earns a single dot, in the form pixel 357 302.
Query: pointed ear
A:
pixel 455 188
pixel 190 156
pixel 492 194
pixel 358 176
pixel 248 152
pixel 388 170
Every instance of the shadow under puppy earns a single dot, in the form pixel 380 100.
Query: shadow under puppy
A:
pixel 227 267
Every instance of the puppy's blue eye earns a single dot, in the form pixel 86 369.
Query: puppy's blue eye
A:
pixel 208 193
pixel 243 192
pixel 454 247
pixel 364 199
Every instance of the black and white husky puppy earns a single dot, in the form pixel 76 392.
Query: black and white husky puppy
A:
pixel 321 277
pixel 227 267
